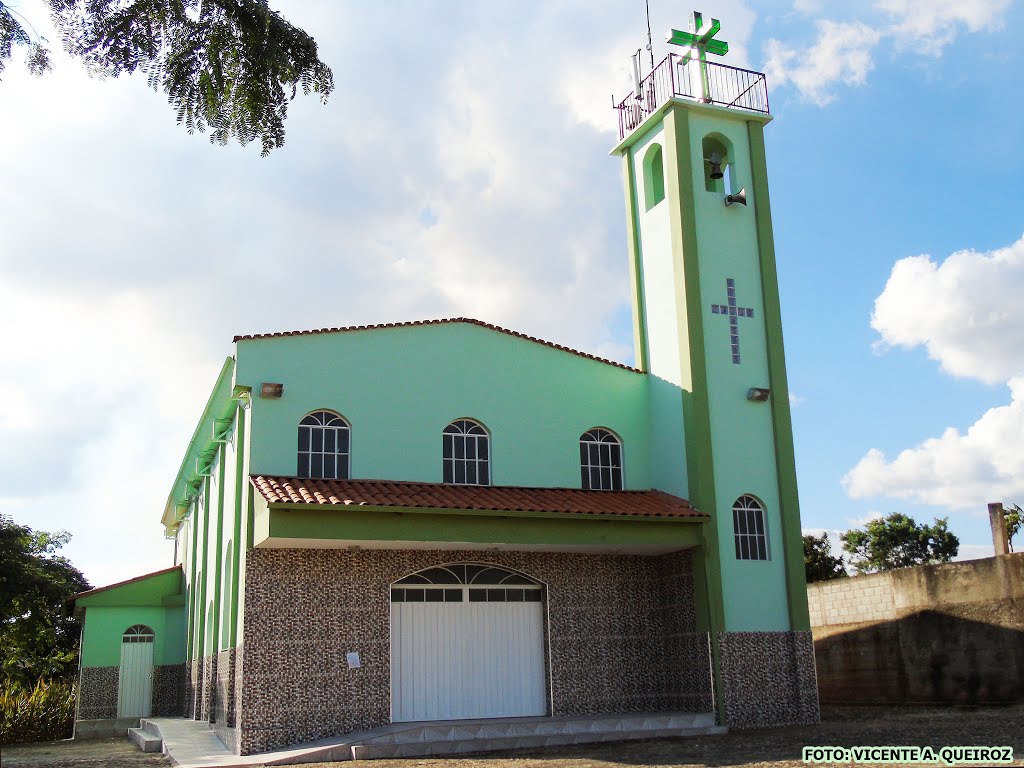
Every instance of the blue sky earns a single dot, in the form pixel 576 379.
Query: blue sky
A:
pixel 461 168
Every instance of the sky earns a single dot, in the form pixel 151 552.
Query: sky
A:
pixel 461 168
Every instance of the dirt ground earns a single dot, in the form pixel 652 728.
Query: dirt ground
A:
pixel 775 748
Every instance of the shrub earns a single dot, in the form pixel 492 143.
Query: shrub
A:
pixel 43 713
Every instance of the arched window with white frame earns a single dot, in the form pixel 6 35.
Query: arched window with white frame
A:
pixel 466 453
pixel 324 439
pixel 600 460
pixel 749 529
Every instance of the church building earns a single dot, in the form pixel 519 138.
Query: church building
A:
pixel 448 520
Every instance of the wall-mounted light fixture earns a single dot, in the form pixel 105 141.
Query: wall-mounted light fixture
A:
pixel 758 394
pixel 267 389
pixel 740 197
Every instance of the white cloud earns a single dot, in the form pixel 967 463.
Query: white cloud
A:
pixel 931 25
pixel 93 426
pixel 966 311
pixel 842 52
pixel 808 7
pixel 956 470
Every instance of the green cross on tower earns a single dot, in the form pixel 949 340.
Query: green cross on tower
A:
pixel 700 43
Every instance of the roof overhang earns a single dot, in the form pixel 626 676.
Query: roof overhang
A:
pixel 339 521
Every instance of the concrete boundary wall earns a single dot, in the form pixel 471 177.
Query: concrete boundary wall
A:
pixel 930 634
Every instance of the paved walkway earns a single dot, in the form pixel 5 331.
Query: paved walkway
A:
pixel 193 744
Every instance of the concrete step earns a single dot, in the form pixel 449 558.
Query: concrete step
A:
pixel 451 746
pixel 145 740
pixel 500 728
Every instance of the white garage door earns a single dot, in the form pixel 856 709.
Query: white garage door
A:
pixel 467 641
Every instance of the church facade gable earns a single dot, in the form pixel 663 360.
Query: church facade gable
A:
pixel 399 388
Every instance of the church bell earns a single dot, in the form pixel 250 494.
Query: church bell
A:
pixel 716 165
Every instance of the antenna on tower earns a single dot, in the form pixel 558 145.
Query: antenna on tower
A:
pixel 650 45
pixel 637 80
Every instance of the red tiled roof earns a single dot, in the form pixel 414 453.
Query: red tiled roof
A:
pixel 436 322
pixel 386 493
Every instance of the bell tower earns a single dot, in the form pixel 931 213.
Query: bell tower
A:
pixel 707 330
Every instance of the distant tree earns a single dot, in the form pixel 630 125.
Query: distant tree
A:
pixel 1013 523
pixel 897 541
pixel 227 66
pixel 819 562
pixel 37 639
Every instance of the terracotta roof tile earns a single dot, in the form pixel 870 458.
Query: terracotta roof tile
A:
pixel 469 320
pixel 386 493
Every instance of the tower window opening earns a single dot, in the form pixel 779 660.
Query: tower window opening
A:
pixel 719 173
pixel 654 177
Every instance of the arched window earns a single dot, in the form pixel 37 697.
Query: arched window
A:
pixel 654 177
pixel 600 460
pixel 324 446
pixel 138 633
pixel 466 582
pixel 466 453
pixel 749 528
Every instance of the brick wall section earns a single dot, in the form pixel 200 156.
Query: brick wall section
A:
pixel 621 636
pixel 853 600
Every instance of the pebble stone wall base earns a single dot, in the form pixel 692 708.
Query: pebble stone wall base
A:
pixel 768 679
pixel 208 691
pixel 168 690
pixel 193 684
pixel 621 636
pixel 97 698
pixel 97 693
pixel 224 700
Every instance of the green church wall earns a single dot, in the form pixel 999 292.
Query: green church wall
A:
pixel 656 298
pixel 155 601
pixel 534 400
pixel 743 444
pixel 105 625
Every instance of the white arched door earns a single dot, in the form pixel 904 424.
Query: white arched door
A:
pixel 135 676
pixel 467 641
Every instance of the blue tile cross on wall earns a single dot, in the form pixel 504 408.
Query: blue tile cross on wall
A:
pixel 733 312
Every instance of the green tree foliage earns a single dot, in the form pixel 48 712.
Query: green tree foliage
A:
pixel 37 639
pixel 819 562
pixel 897 541
pixel 1013 522
pixel 229 67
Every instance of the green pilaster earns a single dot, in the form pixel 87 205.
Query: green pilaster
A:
pixel 696 412
pixel 205 573
pixel 796 586
pixel 193 589
pixel 636 274
pixel 236 555
pixel 218 607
